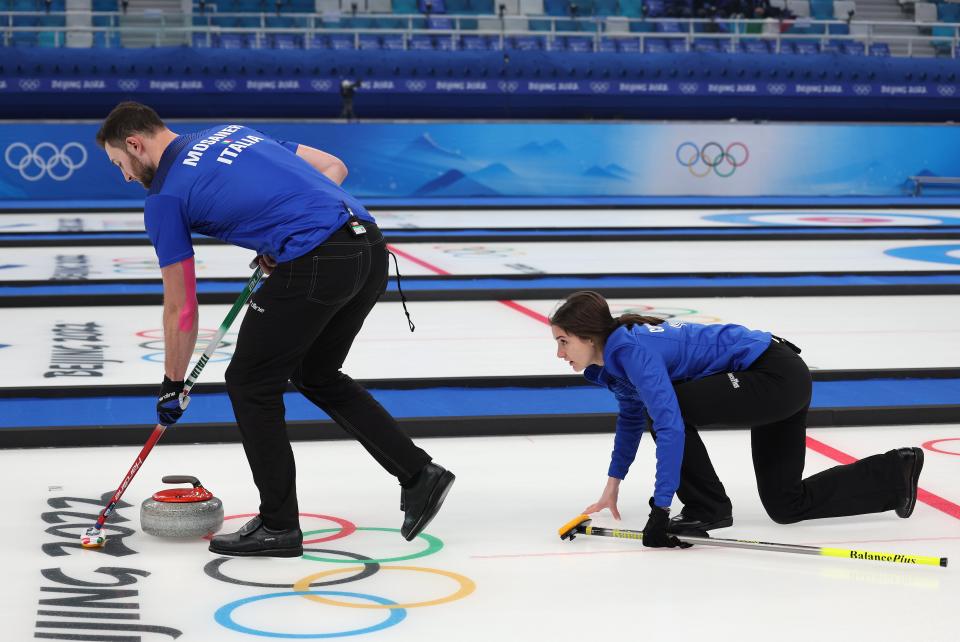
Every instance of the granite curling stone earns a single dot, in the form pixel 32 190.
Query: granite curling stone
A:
pixel 181 512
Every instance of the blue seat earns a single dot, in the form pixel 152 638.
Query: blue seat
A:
pixel 578 44
pixel 806 47
pixel 369 41
pixel 608 45
pixel 556 7
pixel 435 6
pixel 641 26
pixel 655 8
pixel 854 48
pixel 628 45
pixel 786 47
pixel 879 49
pixel 404 6
pixel 482 7
pixel 421 43
pixel 539 25
pixel 655 45
pixel 458 6
pixel 668 27
pixel 838 29
pixel 285 41
pixel 706 45
pixel 752 46
pixel 526 43
pixel 475 43
pixel 231 41
pixel 392 41
pixel 821 9
pixel 445 43
pixel 440 23
pixel 341 41
pixel 201 40
pixel 631 8
pixel 605 7
pixel 677 45
pixel 948 12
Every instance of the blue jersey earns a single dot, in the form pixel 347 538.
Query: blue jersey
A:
pixel 642 363
pixel 238 185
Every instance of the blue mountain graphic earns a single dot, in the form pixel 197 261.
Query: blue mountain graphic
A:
pixel 425 147
pixel 613 168
pixel 600 172
pixel 454 183
pixel 494 171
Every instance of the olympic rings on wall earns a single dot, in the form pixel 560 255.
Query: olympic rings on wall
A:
pixel 721 161
pixel 45 159
pixel 361 567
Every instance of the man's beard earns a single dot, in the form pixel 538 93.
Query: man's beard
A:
pixel 142 172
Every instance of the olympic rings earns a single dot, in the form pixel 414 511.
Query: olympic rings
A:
pixel 717 159
pixel 224 616
pixel 434 544
pixel 367 567
pixel 346 528
pixel 212 569
pixel 45 163
pixel 930 446
pixel 466 588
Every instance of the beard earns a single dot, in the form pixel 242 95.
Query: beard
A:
pixel 143 173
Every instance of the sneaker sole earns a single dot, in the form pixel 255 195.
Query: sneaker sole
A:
pixel 914 482
pixel 437 497
pixel 267 552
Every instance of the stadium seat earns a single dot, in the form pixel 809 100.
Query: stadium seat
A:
pixel 753 46
pixel 655 45
pixel 879 49
pixel 853 48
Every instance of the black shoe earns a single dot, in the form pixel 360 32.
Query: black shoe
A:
pixel 255 539
pixel 911 460
pixel 423 499
pixel 683 524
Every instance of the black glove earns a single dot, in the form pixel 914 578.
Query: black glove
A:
pixel 168 402
pixel 655 532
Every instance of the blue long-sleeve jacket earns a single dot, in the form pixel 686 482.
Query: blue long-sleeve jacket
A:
pixel 641 365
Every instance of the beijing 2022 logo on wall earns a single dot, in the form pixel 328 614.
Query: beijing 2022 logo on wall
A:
pixel 712 158
pixel 45 160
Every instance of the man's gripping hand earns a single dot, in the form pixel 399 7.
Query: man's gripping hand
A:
pixel 168 402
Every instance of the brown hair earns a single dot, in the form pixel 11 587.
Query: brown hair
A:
pixel 125 120
pixel 586 314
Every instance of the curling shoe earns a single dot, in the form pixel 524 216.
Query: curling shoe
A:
pixel 911 461
pixel 256 540
pixel 690 525
pixel 423 498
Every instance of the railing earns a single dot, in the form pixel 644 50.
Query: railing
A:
pixel 728 32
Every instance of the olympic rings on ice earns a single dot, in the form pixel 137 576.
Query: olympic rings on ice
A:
pixel 362 568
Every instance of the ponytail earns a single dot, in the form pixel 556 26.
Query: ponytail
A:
pixel 586 314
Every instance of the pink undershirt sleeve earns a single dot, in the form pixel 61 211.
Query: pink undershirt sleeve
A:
pixel 189 295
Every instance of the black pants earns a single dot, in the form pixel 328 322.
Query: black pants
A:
pixel 299 328
pixel 772 398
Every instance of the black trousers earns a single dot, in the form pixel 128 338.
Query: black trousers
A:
pixel 772 397
pixel 299 327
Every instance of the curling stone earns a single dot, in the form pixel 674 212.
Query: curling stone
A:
pixel 181 512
